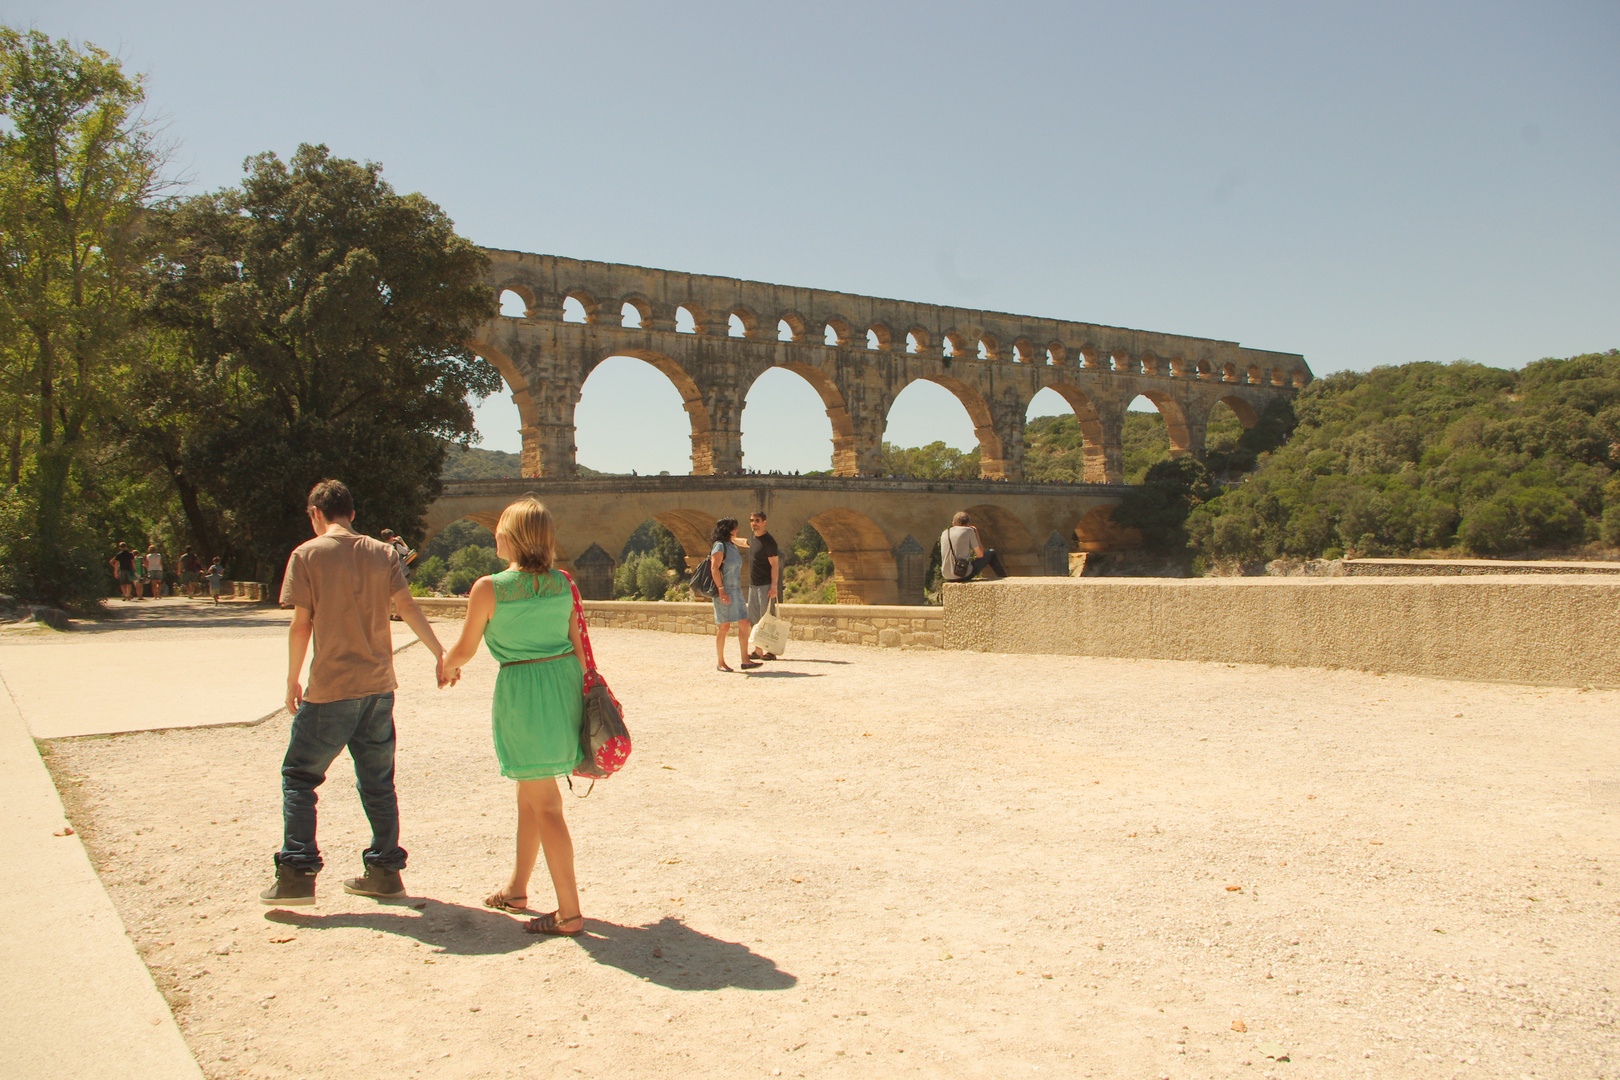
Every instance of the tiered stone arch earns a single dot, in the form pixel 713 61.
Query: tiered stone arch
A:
pixel 855 353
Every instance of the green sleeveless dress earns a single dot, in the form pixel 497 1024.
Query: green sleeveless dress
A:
pixel 537 707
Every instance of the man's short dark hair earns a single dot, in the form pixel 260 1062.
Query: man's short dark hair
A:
pixel 332 499
pixel 758 515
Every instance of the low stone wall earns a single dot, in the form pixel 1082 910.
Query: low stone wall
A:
pixel 246 590
pixel 1470 567
pixel 1559 630
pixel 847 624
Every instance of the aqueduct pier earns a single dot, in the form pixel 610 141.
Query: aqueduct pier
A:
pixel 880 533
pixel 712 337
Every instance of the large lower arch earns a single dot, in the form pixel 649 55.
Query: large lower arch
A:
pixel 1001 529
pixel 1096 531
pixel 530 415
pixel 1243 409
pixel 1091 430
pixel 1175 423
pixel 993 464
pixel 693 529
pixel 863 559
pixel 697 411
pixel 843 427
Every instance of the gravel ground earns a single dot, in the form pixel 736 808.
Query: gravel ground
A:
pixel 869 862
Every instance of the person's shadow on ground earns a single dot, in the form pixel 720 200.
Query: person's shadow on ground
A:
pixel 673 955
pixel 450 928
pixel 667 952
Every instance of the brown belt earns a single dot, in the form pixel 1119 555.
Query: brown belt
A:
pixel 536 660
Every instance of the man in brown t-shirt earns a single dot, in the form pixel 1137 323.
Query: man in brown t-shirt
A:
pixel 340 585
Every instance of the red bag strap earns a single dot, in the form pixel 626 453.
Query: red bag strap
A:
pixel 584 631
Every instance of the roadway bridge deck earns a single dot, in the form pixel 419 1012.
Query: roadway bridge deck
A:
pixel 881 533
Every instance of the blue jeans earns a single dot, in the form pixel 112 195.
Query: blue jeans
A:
pixel 320 731
pixel 990 559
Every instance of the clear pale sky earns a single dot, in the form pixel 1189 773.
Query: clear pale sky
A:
pixel 1369 183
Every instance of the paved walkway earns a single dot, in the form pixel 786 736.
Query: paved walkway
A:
pixel 77 999
pixel 168 663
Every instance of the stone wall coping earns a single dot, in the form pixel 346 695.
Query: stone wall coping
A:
pixel 1570 581
pixel 858 612
pixel 1504 566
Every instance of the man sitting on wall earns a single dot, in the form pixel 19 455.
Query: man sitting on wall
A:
pixel 962 554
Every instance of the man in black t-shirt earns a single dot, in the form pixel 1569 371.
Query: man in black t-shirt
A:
pixel 764 574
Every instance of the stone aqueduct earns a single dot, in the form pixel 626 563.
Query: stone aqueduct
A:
pixel 858 353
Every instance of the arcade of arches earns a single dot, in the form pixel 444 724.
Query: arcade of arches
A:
pixel 712 337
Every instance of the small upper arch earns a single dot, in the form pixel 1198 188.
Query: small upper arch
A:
pixel 790 326
pixel 954 343
pixel 1093 358
pixel 635 310
pixel 1024 351
pixel 689 319
pixel 513 295
pixel 583 308
pixel 837 332
pixel 879 336
pixel 743 322
pixel 917 340
pixel 1151 364
pixel 989 347
pixel 1229 372
pixel 1299 378
pixel 1056 354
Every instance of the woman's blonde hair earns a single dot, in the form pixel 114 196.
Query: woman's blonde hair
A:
pixel 531 535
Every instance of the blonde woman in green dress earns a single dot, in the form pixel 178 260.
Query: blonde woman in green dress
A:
pixel 525 614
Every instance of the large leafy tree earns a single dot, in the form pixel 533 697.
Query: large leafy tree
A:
pixel 320 323
pixel 78 171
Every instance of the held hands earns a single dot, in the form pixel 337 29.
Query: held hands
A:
pixel 447 676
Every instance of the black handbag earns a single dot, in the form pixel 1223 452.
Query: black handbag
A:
pixel 702 582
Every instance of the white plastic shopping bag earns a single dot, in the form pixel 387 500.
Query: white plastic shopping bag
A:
pixel 770 633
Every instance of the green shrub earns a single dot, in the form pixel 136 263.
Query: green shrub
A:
pixel 430 571
pixel 822 564
pixel 459 582
pixel 1611 526
pixel 480 559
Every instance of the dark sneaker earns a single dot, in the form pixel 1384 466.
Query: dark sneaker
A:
pixel 383 884
pixel 293 888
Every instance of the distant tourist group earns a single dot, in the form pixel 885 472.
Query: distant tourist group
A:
pixel 138 574
pixel 342 585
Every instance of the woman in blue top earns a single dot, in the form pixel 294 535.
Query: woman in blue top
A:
pixel 730 606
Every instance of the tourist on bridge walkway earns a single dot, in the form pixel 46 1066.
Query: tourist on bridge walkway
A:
pixel 339 586
pixel 730 602
pixel 962 553
pixel 526 615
